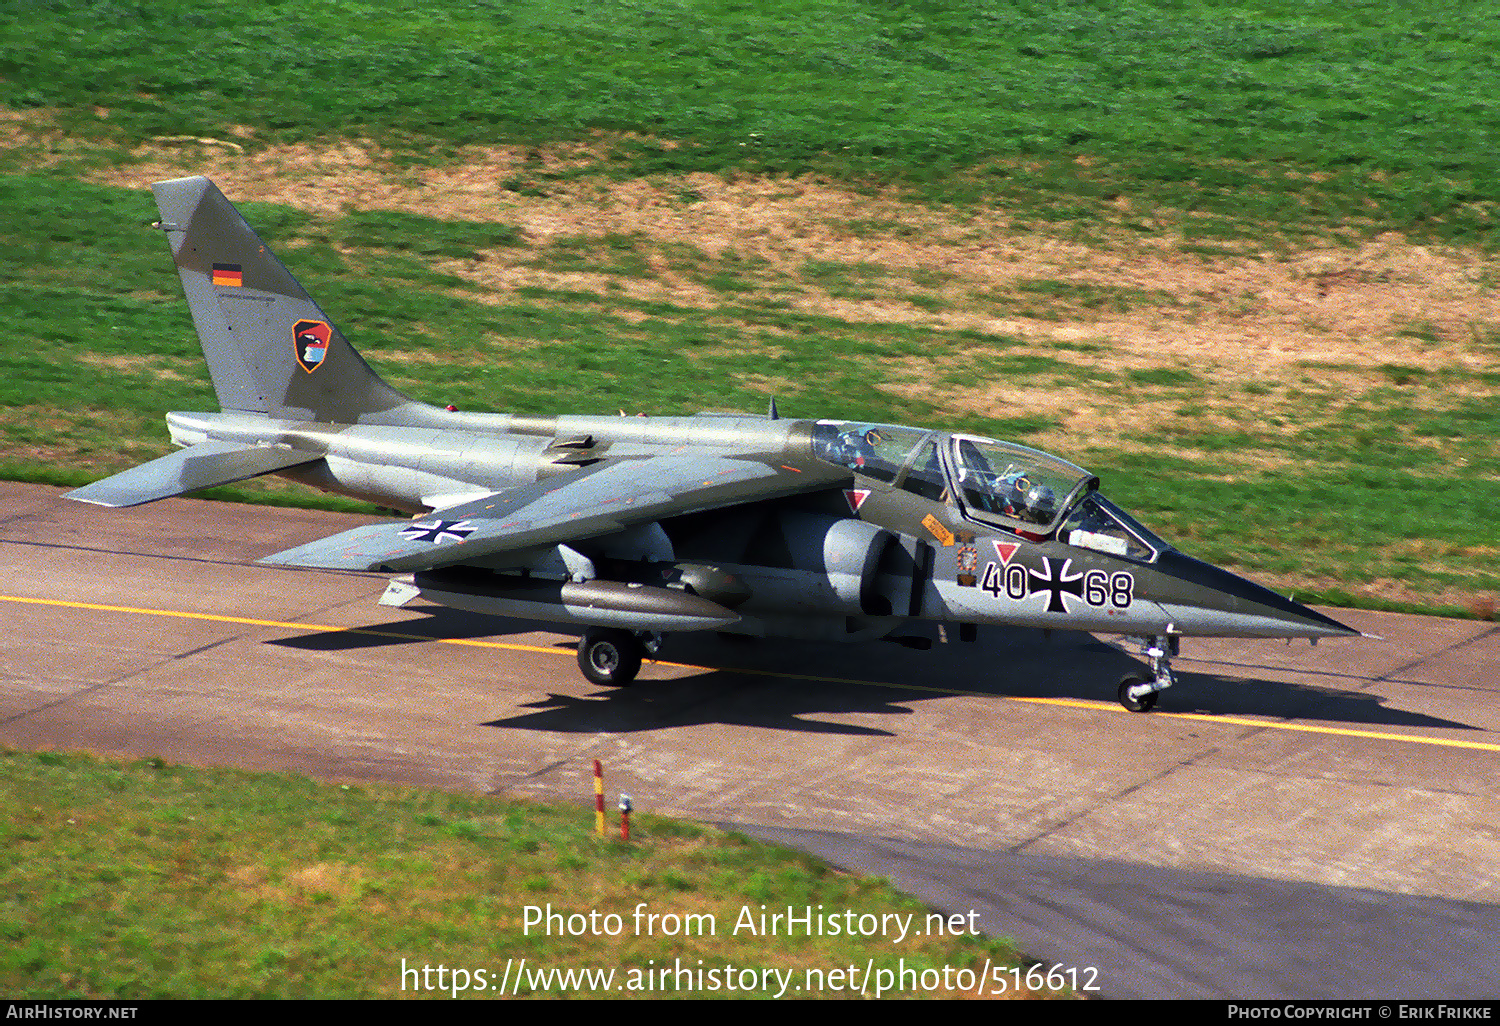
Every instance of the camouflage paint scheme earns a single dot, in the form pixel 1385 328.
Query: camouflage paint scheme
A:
pixel 634 526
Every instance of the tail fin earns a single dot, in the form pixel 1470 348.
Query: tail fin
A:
pixel 270 348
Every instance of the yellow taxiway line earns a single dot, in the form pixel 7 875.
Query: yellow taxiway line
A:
pixel 515 647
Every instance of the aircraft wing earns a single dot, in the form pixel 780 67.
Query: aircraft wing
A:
pixel 590 503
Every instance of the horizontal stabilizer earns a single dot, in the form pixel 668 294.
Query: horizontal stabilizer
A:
pixel 198 466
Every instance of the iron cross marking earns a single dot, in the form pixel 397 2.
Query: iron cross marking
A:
pixel 438 531
pixel 1057 581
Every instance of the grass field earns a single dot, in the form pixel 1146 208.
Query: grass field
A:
pixel 1256 114
pixel 145 880
pixel 1238 260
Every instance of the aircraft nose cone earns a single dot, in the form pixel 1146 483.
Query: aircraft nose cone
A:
pixel 1227 603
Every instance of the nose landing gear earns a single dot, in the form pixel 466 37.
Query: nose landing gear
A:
pixel 1137 693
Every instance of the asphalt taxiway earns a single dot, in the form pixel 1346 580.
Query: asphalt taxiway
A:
pixel 1292 820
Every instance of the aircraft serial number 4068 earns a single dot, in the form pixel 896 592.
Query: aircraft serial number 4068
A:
pixel 635 526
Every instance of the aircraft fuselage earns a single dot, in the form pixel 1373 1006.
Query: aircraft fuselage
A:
pixel 852 562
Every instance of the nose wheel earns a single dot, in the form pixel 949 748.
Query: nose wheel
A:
pixel 1137 693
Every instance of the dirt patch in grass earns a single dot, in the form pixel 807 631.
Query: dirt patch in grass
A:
pixel 1246 326
pixel 1252 315
pixel 155 366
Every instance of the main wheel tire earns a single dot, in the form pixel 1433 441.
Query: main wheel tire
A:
pixel 609 658
pixel 1145 703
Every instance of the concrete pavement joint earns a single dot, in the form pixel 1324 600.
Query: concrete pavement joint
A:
pixel 90 688
pixel 1111 800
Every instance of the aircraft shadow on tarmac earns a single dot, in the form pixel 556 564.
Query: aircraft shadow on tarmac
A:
pixel 719 697
pixel 774 683
pixel 441 622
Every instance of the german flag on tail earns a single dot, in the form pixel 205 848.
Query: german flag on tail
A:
pixel 229 274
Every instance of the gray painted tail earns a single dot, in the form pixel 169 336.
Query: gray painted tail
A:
pixel 270 348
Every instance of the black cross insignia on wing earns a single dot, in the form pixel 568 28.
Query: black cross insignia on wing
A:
pixel 438 531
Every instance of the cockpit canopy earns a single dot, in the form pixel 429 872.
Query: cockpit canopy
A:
pixel 1010 486
pixel 1013 483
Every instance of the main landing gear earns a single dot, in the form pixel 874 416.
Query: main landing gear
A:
pixel 611 657
pixel 1137 693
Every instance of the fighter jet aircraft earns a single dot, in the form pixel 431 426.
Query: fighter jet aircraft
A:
pixel 631 527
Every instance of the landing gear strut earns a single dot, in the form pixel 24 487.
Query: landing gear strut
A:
pixel 1137 693
pixel 608 657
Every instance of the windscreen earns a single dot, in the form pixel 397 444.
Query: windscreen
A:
pixel 1096 523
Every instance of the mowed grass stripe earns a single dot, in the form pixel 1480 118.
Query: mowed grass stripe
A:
pixel 1284 113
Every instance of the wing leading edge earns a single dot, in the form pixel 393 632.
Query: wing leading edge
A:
pixel 589 503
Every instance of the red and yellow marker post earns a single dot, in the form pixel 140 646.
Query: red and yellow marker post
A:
pixel 598 798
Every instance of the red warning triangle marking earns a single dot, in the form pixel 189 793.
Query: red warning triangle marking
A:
pixel 856 497
pixel 1006 550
